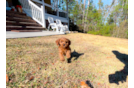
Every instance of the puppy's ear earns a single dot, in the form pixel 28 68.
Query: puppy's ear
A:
pixel 69 42
pixel 58 42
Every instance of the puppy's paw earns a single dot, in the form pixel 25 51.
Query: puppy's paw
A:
pixel 62 60
pixel 68 56
pixel 69 60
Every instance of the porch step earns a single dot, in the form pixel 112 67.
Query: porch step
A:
pixel 26 30
pixel 22 24
pixel 13 12
pixel 19 22
pixel 23 28
pixel 19 19
pixel 18 16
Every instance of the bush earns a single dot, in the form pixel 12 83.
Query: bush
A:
pixel 122 30
pixel 102 30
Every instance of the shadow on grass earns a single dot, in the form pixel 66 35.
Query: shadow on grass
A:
pixel 76 55
pixel 89 84
pixel 123 73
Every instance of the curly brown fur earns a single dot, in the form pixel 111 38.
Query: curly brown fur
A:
pixel 64 48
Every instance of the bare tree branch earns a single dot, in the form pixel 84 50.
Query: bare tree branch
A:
pixel 86 15
pixel 109 10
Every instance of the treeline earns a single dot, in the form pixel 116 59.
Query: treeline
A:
pixel 108 20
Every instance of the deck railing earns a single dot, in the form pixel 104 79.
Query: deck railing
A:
pixel 34 11
pixel 58 12
pixel 37 11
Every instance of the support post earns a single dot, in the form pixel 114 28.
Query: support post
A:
pixel 43 14
pixel 67 13
pixel 58 12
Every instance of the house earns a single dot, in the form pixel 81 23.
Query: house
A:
pixel 40 10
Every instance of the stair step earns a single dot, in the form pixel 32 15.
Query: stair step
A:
pixel 18 16
pixel 24 18
pixel 13 12
pixel 11 21
pixel 26 30
pixel 20 20
pixel 20 28
pixel 21 24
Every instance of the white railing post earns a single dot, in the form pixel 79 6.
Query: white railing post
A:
pixel 68 20
pixel 58 12
pixel 67 13
pixel 43 14
pixel 38 13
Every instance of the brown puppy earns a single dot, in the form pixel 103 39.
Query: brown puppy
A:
pixel 64 48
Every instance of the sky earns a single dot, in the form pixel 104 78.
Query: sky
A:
pixel 105 2
pixel 95 2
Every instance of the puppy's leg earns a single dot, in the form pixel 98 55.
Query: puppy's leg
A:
pixel 68 55
pixel 61 56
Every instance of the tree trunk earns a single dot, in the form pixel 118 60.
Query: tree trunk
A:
pixel 85 19
pixel 67 12
pixel 113 2
pixel 83 12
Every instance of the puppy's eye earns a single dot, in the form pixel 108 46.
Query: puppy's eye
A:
pixel 66 42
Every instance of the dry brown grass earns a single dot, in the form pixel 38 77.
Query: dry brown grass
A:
pixel 35 62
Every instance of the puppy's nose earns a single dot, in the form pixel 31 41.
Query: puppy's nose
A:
pixel 63 44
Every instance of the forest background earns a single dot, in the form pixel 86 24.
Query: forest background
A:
pixel 99 19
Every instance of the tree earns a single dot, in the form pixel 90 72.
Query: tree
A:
pixel 107 20
pixel 100 3
pixel 110 19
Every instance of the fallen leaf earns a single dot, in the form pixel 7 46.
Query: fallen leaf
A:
pixel 84 85
pixel 51 53
pixel 39 68
pixel 7 79
pixel 45 82
pixel 98 84
pixel 33 72
pixel 31 78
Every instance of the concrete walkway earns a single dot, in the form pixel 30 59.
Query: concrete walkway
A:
pixel 10 34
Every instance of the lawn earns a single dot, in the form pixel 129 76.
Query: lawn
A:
pixel 100 61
